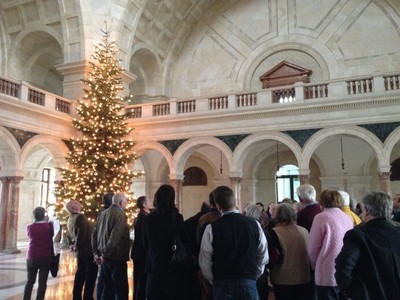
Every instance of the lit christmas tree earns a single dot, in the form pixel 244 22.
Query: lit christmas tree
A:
pixel 99 159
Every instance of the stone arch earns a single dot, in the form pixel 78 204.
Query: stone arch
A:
pixel 187 148
pixel 145 64
pixel 322 135
pixel 35 54
pixel 244 147
pixel 57 149
pixel 4 51
pixel 389 144
pixel 322 55
pixel 9 153
pixel 141 148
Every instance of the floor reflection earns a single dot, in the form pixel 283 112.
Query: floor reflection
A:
pixel 13 276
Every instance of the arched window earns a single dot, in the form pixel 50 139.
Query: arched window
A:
pixel 395 170
pixel 194 176
pixel 287 181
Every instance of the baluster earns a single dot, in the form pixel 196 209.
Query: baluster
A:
pixel 308 92
pixel 397 82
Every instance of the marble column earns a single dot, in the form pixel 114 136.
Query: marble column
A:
pixel 384 179
pixel 304 176
pixel 11 223
pixel 236 187
pixel 4 202
pixel 177 184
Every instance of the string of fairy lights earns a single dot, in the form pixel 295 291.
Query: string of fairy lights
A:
pixel 101 155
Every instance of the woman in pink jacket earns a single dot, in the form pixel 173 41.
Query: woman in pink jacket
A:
pixel 325 243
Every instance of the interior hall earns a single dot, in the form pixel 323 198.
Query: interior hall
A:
pixel 257 95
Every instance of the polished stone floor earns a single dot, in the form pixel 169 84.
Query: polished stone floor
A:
pixel 13 276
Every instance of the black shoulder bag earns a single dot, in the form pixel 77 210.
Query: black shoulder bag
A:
pixel 181 255
pixel 55 260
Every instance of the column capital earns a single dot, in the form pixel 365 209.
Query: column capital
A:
pixel 176 177
pixel 304 172
pixel 235 179
pixel 15 179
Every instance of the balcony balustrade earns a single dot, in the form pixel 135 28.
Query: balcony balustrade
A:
pixel 345 89
pixel 24 92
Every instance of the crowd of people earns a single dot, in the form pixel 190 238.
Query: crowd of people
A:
pixel 311 249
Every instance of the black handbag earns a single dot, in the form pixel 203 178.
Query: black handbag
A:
pixel 181 255
pixel 54 266
pixel 55 260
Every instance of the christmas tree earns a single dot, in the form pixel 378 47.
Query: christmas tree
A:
pixel 99 159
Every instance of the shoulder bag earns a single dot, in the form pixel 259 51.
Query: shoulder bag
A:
pixel 55 260
pixel 181 255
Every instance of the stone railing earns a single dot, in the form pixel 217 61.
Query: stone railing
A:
pixel 25 92
pixel 351 88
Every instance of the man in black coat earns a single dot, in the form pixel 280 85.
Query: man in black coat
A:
pixel 368 267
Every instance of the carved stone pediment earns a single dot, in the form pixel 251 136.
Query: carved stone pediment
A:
pixel 284 74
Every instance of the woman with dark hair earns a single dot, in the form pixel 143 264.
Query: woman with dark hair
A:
pixel 138 253
pixel 326 241
pixel 160 228
pixel 39 254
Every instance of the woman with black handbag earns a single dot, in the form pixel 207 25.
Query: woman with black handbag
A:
pixel 168 277
pixel 40 253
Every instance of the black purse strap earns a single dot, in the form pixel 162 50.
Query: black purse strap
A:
pixel 175 231
pixel 51 232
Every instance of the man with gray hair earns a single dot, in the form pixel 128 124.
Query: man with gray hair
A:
pixel 311 208
pixel 111 245
pixel 368 266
